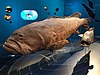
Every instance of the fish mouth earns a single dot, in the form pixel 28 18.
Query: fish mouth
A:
pixel 85 43
pixel 12 46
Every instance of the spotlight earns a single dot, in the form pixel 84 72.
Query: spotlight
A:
pixel 45 8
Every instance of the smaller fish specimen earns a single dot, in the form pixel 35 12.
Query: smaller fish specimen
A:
pixel 87 37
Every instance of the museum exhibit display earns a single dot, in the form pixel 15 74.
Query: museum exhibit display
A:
pixel 49 37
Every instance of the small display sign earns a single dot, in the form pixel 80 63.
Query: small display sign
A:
pixel 29 15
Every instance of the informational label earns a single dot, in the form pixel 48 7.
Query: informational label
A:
pixel 29 15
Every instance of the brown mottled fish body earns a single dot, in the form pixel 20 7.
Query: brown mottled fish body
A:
pixel 50 34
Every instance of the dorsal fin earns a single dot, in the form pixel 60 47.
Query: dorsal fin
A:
pixel 77 14
pixel 54 17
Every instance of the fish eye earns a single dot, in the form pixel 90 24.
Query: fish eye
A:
pixel 21 35
pixel 16 33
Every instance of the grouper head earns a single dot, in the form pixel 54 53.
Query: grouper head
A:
pixel 23 41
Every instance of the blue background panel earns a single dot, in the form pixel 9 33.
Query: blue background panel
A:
pixel 18 6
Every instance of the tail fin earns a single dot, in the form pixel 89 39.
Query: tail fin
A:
pixel 87 22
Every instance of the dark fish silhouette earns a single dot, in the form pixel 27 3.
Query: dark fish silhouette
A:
pixel 89 11
pixel 97 20
pixel 90 4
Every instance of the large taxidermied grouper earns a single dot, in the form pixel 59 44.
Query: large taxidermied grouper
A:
pixel 49 34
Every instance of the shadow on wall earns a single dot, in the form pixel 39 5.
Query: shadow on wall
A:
pixel 82 67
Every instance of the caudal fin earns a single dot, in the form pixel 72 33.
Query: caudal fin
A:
pixel 86 25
